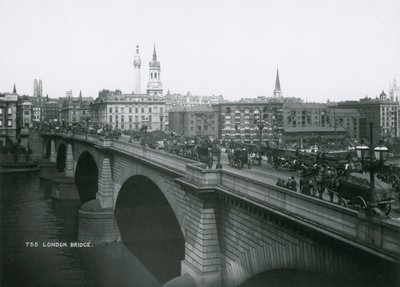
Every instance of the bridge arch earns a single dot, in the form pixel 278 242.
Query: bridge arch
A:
pixel 86 177
pixel 61 157
pixel 149 227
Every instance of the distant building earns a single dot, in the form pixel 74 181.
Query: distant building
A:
pixel 238 121
pixel 8 117
pixel 382 113
pixel 75 110
pixel 37 88
pixel 194 122
pixel 26 115
pixel 128 111
pixel 52 111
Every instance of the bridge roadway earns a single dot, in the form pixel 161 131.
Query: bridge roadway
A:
pixel 269 175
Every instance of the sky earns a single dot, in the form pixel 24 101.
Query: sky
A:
pixel 326 49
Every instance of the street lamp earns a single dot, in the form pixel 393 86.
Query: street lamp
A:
pixel 87 126
pixel 367 154
pixel 260 124
pixel 161 121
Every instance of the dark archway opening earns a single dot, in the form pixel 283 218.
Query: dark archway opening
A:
pixel 86 177
pixel 149 228
pixel 60 163
pixel 48 149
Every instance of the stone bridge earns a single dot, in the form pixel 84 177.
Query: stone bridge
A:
pixel 231 228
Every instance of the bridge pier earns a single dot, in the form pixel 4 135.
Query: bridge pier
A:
pixel 202 251
pixel 97 222
pixel 64 187
pixel 69 162
pixel 53 152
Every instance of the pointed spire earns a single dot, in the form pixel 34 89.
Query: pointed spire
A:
pixel 14 90
pixel 277 82
pixel 154 53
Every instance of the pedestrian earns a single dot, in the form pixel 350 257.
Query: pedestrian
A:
pixel 219 165
pixel 293 184
pixel 301 184
pixel 279 182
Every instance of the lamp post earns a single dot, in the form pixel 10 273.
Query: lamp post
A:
pixel 367 154
pixel 161 121
pixel 260 124
pixel 87 126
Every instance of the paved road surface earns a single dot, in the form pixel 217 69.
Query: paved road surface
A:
pixel 268 174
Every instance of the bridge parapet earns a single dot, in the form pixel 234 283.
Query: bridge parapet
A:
pixel 376 236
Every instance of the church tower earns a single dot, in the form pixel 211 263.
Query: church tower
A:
pixel 154 86
pixel 277 91
pixel 136 63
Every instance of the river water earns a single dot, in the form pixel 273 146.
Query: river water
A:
pixel 29 218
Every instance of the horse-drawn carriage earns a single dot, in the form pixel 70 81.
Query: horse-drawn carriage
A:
pixel 354 192
pixel 239 157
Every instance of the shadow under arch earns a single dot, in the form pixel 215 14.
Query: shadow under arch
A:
pixel 61 155
pixel 149 228
pixel 86 177
pixel 48 149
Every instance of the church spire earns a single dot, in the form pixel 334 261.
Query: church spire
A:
pixel 14 90
pixel 277 90
pixel 277 82
pixel 154 53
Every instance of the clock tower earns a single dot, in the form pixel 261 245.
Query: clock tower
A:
pixel 154 86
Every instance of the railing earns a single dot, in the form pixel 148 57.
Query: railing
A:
pixel 161 158
pixel 379 236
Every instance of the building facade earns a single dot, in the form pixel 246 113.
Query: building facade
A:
pixel 8 117
pixel 52 111
pixel 75 110
pixel 382 112
pixel 128 111
pixel 194 122
pixel 241 122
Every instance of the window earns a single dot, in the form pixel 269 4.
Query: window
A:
pixel 122 110
pixel 116 109
pixel 116 118
pixel 130 120
pixel 122 119
pixel 142 110
pixel 9 123
pixel 136 119
pixel 110 119
pixel 150 118
pixel 149 110
pixel 136 110
pixel 110 110
pixel 9 111
pixel 1 111
pixel 130 110
pixel 1 122
pixel 161 110
pixel 26 113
